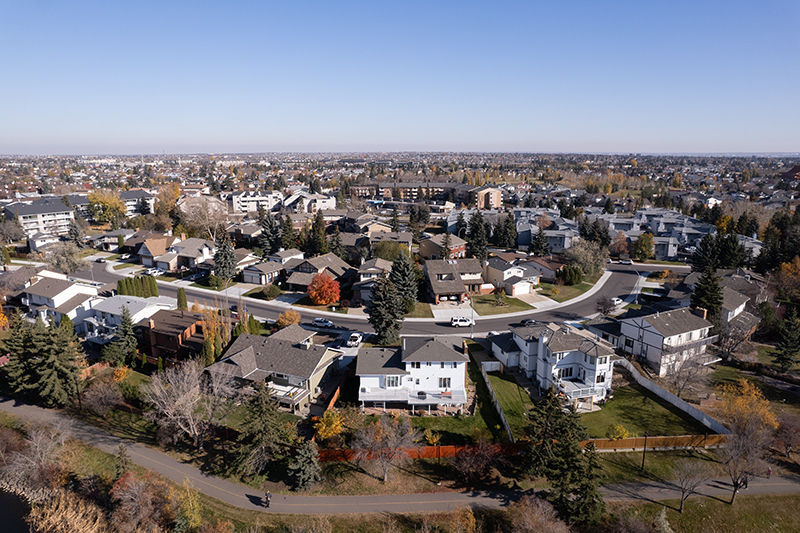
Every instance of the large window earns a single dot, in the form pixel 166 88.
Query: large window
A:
pixel 565 372
pixel 444 383
pixel 392 381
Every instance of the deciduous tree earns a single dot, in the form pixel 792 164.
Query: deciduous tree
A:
pixel 590 257
pixel 323 290
pixel 690 475
pixel 643 247
pixel 288 318
pixel 64 257
pixel 106 206
pixel 385 442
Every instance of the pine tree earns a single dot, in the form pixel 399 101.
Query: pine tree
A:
pixel 337 246
pixel 288 233
pixel 708 295
pixel 608 208
pixel 787 348
pixel 706 257
pixel 304 469
pixel 395 223
pixel 385 311
pixel 261 214
pixel 75 234
pixel 270 238
pixel 447 244
pixel 20 368
pixel 224 258
pixel 122 462
pixel 259 434
pixel 183 305
pixel 319 241
pixel 477 236
pixel 405 282
pixel 461 223
pixel 539 245
pixel 57 367
pixel 510 232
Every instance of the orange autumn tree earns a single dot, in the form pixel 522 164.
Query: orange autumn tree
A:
pixel 323 290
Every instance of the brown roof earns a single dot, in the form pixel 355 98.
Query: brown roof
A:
pixel 172 323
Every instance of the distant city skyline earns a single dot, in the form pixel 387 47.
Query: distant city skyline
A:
pixel 182 77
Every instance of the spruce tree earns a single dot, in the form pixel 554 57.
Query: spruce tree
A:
pixel 259 434
pixel 183 305
pixel 787 348
pixel 461 223
pixel 447 244
pixel 288 233
pixel 224 258
pixel 510 232
pixel 261 213
pixel 122 462
pixel 270 238
pixel 539 245
pixel 305 469
pixel 608 208
pixel 21 366
pixel 385 311
pixel 57 367
pixel 75 234
pixel 319 242
pixel 395 223
pixel 706 257
pixel 405 281
pixel 477 236
pixel 337 246
pixel 708 295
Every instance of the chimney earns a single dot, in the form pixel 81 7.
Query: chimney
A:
pixel 466 348
pixel 701 312
pixel 183 236
pixel 152 324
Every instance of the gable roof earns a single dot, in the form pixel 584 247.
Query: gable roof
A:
pixel 379 361
pixel 135 304
pixel 731 299
pixel 191 247
pixel 377 264
pixel 675 322
pixel 172 323
pixel 440 348
pixel 331 262
pixel 49 287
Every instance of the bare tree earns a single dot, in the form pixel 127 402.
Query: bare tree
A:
pixel 690 373
pixel 102 395
pixel 37 463
pixel 729 340
pixel 689 476
pixel 63 257
pixel 182 397
pixel 787 436
pixel 604 305
pixel 474 463
pixel 10 442
pixel 385 442
pixel 534 515
pixel 144 503
pixel 66 513
pixel 11 230
pixel 205 212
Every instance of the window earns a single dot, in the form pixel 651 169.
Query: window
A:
pixel 429 363
pixel 415 364
pixel 565 372
pixel 603 360
pixel 442 364
pixel 417 381
pixel 455 365
pixel 392 381
pixel 444 383
pixel 629 343
pixel 601 378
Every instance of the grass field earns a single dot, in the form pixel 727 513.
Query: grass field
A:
pixel 260 293
pixel 422 310
pixel 485 305
pixel 125 265
pixel 568 292
pixel 640 410
pixel 514 401
pixel 203 284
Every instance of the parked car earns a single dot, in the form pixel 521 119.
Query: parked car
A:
pixel 626 261
pixel 123 257
pixel 492 334
pixel 322 323
pixel 354 340
pixel 100 260
pixel 529 322
pixel 458 321
pixel 616 301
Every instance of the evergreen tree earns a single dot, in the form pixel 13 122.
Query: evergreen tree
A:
pixel 122 462
pixel 144 206
pixel 608 208
pixel 145 283
pixel 224 258
pixel 405 282
pixel 138 289
pixel 304 469
pixel 395 223
pixel 461 223
pixel 259 434
pixel 499 234
pixel 385 311
pixel 708 295
pixel 477 236
pixel 183 305
pixel 21 366
pixel 120 242
pixel 340 201
pixel 217 346
pixel 121 287
pixel 288 234
pixel 261 214
pixel 153 286
pixel 57 366
pixel 787 348
pixel 706 257
pixel 337 246
pixel 319 241
pixel 447 244
pixel 539 245
pixel 75 234
pixel 510 232
pixel 731 252
pixel 207 355
pixel 270 239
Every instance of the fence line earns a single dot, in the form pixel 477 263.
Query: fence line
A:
pixel 691 410
pixel 497 406
pixel 657 443
pixel 425 452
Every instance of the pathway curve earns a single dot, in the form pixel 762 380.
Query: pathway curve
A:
pixel 248 498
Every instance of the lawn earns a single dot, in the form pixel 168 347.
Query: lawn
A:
pixel 765 356
pixel 627 467
pixel 780 400
pixel 514 401
pixel 485 305
pixel 565 292
pixel 203 284
pixel 633 306
pixel 640 410
pixel 306 302
pixel 125 265
pixel 651 290
pixel 654 262
pixel 422 310
pixel 260 293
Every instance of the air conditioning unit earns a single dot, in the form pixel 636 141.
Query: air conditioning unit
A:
pixel 317 390
pixel 364 389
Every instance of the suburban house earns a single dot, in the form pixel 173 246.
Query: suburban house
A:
pixel 548 267
pixel 109 241
pixel 404 237
pixel 265 273
pixel 367 275
pixel 14 282
pixel 513 279
pixel 302 274
pixel 424 372
pixel 38 242
pixel 134 199
pixel 288 361
pixel 185 254
pixel 559 240
pixel 172 335
pixel 666 340
pixel 606 327
pixel 356 246
pixel 247 233
pixel 453 279
pixel 433 248
pixel 51 298
pixel 575 362
pixel 284 256
pixel 46 215
pixel 105 315
pixel 665 248
pixel 155 246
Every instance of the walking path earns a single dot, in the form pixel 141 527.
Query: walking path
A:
pixel 248 498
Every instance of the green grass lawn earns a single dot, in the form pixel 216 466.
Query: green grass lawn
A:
pixel 639 410
pixel 306 302
pixel 565 292
pixel 422 310
pixel 626 467
pixel 485 305
pixel 780 400
pixel 765 356
pixel 633 306
pixel 203 284
pixel 514 401
pixel 83 254
pixel 260 293
pixel 125 265
pixel 654 262
pixel 650 290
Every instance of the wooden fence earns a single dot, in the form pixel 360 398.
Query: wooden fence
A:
pixel 497 405
pixel 657 443
pixel 424 452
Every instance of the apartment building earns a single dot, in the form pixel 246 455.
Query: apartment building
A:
pixel 49 215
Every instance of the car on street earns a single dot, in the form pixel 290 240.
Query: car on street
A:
pixel 322 323
pixel 100 260
pixel 458 321
pixel 616 301
pixel 354 340
pixel 529 322
pixel 123 257
pixel 626 261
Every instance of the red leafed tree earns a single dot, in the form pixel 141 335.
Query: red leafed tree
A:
pixel 323 290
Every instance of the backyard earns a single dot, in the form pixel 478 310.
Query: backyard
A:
pixel 514 400
pixel 639 410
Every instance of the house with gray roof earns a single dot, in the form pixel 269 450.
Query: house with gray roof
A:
pixel 664 341
pixel 135 199
pixel 302 274
pixel 367 276
pixel 52 298
pixel 424 372
pixel 265 273
pixel 574 362
pixel 288 362
pixel 45 215
pixel 511 278
pixel 105 315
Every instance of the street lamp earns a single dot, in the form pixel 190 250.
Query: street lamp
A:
pixel 644 450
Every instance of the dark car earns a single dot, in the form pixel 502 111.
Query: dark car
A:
pixel 99 260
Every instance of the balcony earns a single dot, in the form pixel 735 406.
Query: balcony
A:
pixel 575 390
pixel 412 397
pixel 669 349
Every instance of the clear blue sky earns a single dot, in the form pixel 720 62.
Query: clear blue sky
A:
pixel 129 77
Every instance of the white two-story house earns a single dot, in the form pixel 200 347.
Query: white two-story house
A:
pixel 513 279
pixel 105 315
pixel 574 361
pixel 53 298
pixel 422 373
pixel 666 340
pixel 368 274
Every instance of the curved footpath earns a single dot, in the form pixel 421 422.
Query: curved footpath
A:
pixel 248 498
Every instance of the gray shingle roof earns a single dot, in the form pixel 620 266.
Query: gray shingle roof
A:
pixel 732 299
pixel 49 287
pixel 443 348
pixel 379 362
pixel 505 341
pixel 678 321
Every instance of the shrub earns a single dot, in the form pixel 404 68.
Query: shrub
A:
pixel 215 281
pixel 617 432
pixel 344 303
pixel 273 292
pixel 287 318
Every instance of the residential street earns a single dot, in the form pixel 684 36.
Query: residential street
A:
pixel 248 498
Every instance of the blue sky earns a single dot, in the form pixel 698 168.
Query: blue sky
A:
pixel 81 77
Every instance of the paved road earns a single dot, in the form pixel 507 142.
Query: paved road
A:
pixel 619 284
